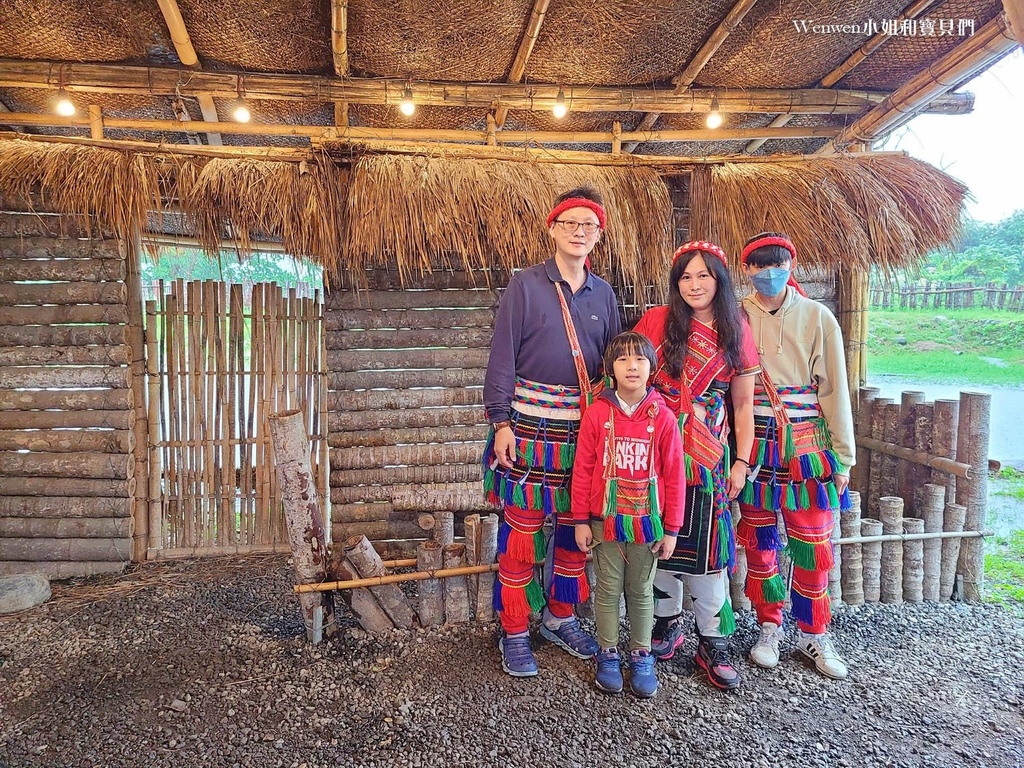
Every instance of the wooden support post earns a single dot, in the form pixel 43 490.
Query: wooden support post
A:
pixel 890 512
pixel 431 606
pixel 835 575
pixel 616 138
pixel 853 568
pixel 933 499
pixel 486 554
pixel 861 470
pixel 907 426
pixel 472 529
pixel 945 418
pixel 139 470
pixel 305 521
pixel 367 564
pixel 95 122
pixel 876 469
pixel 921 475
pixel 952 521
pixel 913 562
pixel 492 130
pixel 872 560
pixel 444 528
pixel 888 484
pixel 456 589
pixel 972 448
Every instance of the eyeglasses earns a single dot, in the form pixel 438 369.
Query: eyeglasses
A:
pixel 589 227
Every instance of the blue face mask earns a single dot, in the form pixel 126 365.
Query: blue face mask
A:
pixel 771 281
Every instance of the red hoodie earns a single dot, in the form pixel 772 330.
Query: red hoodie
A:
pixel 646 453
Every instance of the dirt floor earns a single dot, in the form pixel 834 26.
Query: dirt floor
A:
pixel 204 663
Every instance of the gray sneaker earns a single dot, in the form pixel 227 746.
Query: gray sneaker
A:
pixel 765 652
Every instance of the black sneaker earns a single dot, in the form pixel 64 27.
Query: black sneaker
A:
pixel 666 637
pixel 714 658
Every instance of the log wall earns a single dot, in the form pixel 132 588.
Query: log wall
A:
pixel 66 447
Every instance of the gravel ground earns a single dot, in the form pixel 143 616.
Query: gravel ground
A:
pixel 204 663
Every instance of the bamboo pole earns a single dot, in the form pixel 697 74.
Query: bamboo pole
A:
pixel 397 578
pixel 940 535
pixel 154 494
pixel 972 492
pixel 938 463
pixel 526 43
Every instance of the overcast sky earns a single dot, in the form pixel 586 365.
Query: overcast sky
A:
pixel 983 149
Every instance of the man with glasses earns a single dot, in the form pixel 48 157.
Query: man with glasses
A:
pixel 550 316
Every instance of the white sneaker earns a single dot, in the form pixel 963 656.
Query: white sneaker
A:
pixel 765 652
pixel 822 651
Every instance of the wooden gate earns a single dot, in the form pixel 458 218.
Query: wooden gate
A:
pixel 220 362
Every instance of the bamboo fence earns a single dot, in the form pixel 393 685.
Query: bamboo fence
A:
pixel 950 296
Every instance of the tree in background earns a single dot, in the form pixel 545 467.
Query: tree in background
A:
pixel 987 253
pixel 173 263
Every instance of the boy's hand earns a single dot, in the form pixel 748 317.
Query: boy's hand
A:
pixel 664 547
pixel 841 481
pixel 584 537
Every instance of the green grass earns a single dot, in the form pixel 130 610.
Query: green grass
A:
pixel 967 346
pixel 1004 570
pixel 1013 485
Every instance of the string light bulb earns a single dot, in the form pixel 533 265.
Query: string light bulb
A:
pixel 714 118
pixel 65 107
pixel 560 110
pixel 241 113
pixel 407 105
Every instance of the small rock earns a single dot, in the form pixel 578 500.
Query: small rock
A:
pixel 178 705
pixel 21 591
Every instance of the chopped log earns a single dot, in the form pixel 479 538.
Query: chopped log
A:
pixel 363 422
pixel 55 570
pixel 444 528
pixel 13 294
pixel 487 554
pixel 303 517
pixel 471 524
pixel 907 429
pixel 449 473
pixel 62 269
pixel 63 486
pixel 972 493
pixel 913 562
pixel 73 313
pixel 933 499
pixel 65 419
pixel 391 437
pixel 367 564
pixel 88 465
pixel 459 299
pixel 859 474
pixel 919 474
pixel 63 506
pixel 377 529
pixel 874 479
pixel 119 355
pixel 70 528
pixel 377 511
pixel 453 377
pixel 433 454
pixel 890 512
pixel 835 577
pixel 740 601
pixel 64 440
pixel 344 361
pixel 32 242
pixel 396 548
pixel 425 522
pixel 346 402
pixel 102 399
pixel 57 376
pixel 456 589
pixel 66 549
pixel 871 553
pixel 361 602
pixel 945 418
pixel 853 566
pixel 429 557
pixel 458 497
pixel 340 321
pixel 62 335
pixel 340 342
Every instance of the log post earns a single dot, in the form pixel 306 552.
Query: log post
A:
pixel 859 474
pixel 972 448
pixel 835 575
pixel 945 417
pixel 852 564
pixel 952 521
pixel 431 607
pixel 367 564
pixel 361 602
pixel 932 503
pixel 877 459
pixel 920 475
pixel 871 552
pixel 890 512
pixel 913 562
pixel 444 528
pixel 456 589
pixel 740 601
pixel 487 554
pixel 472 530
pixel 906 472
pixel 304 520
pixel 889 481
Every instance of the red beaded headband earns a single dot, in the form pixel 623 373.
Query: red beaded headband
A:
pixel 700 245
pixel 577 202
pixel 761 242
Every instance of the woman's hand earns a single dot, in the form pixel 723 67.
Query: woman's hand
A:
pixel 584 537
pixel 737 479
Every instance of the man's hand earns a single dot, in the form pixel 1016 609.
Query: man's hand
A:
pixel 505 446
pixel 584 537
pixel 664 547
pixel 841 481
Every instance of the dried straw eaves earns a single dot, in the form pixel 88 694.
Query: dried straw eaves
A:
pixel 410 211
pixel 883 211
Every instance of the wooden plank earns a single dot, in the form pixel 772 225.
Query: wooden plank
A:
pixel 63 570
pixel 406 455
pixel 87 465
pixel 406 338
pixel 76 549
pixel 421 435
pixel 56 376
pixel 371 319
pixel 82 399
pixel 342 401
pixel 62 269
pixel 67 440
pixel 455 377
pixel 119 355
pixel 465 496
pixel 413 299
pixel 365 422
pixel 65 419
pixel 449 473
pixel 70 528
pixel 75 313
pixel 62 335
pixel 403 359
pixel 63 293
pixel 66 486
pixel 64 506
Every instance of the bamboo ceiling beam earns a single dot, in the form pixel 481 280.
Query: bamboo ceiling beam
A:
pixel 855 59
pixel 339 47
pixel 130 80
pixel 686 78
pixel 187 55
pixel 518 69
pixel 965 61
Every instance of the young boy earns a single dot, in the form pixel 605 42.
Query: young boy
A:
pixel 628 492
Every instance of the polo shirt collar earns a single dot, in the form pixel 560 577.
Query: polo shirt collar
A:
pixel 551 269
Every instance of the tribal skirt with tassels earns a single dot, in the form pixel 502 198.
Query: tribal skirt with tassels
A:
pixel 545 420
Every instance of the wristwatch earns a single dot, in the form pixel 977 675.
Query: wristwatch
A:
pixel 496 425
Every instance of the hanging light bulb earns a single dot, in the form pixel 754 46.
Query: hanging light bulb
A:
pixel 65 106
pixel 407 105
pixel 560 110
pixel 714 118
pixel 241 113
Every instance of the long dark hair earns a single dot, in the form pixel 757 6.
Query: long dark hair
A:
pixel 728 320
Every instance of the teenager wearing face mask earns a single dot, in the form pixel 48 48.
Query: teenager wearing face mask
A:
pixel 804 374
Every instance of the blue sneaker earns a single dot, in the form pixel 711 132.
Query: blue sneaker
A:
pixel 642 680
pixel 571 639
pixel 516 655
pixel 609 671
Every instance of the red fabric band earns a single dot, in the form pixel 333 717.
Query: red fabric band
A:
pixel 761 242
pixel 577 202
pixel 700 245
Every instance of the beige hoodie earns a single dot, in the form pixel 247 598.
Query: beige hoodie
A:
pixel 802 344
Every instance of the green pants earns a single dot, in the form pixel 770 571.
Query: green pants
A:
pixel 629 569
